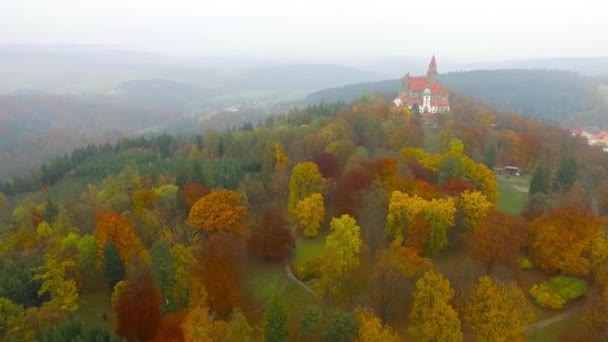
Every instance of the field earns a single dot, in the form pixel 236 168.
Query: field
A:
pixel 513 193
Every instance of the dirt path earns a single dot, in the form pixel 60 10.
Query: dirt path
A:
pixel 292 276
pixel 552 320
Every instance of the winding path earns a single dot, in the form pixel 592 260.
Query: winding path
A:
pixel 292 276
pixel 552 320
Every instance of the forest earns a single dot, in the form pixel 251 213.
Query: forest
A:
pixel 334 222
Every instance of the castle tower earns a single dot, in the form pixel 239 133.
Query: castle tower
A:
pixel 432 74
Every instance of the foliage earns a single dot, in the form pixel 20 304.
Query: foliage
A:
pixel 77 331
pixel 192 192
pixel 565 175
pixel 557 291
pixel 275 322
pixel 181 286
pixel 342 327
pixel 163 266
pixel 564 239
pixel 114 269
pixel 239 330
pixel 496 311
pixel 115 228
pixel 17 283
pixel 218 267
pixel 341 254
pixel 525 263
pixel 270 237
pixel 432 318
pixel 371 328
pixel 498 238
pixel 12 320
pixel 474 205
pixel 310 321
pixel 63 292
pixel 220 211
pixel 311 213
pixel 138 305
pixel 540 181
pixel 305 180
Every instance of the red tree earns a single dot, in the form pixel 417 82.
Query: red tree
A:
pixel 329 166
pixel 138 305
pixel 270 237
pixel 218 267
pixel 192 192
pixel 353 180
pixel 170 329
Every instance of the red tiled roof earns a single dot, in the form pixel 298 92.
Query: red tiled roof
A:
pixel 438 89
pixel 417 82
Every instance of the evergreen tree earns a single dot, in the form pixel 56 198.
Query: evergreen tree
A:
pixel 197 173
pixel 342 327
pixel 540 181
pixel 489 156
pixel 114 269
pixel 450 168
pixel 309 322
pixel 51 209
pixel 565 175
pixel 275 325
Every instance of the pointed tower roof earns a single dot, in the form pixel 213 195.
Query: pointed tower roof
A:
pixel 432 67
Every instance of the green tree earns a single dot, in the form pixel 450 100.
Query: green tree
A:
pixel 275 322
pixel 489 156
pixel 450 167
pixel 309 321
pixel 239 329
pixel 342 327
pixel 114 269
pixel 77 331
pixel 565 175
pixel 12 321
pixel 540 181
pixel 163 266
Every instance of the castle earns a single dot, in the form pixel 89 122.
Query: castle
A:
pixel 424 92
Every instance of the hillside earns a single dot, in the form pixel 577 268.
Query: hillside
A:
pixel 352 214
pixel 554 96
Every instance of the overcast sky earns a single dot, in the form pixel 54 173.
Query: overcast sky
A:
pixel 455 29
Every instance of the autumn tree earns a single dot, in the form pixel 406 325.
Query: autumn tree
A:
pixel 432 318
pixel 239 329
pixel 192 192
pixel 349 187
pixel 270 236
pixel 138 305
pixel 310 211
pixel 594 319
pixel 117 229
pixel 328 164
pixel 496 311
pixel 371 329
pixel 220 211
pixel 402 208
pixel 341 255
pixel 498 238
pixel 63 291
pixel 218 267
pixel 170 329
pixel 305 180
pixel 372 218
pixel 440 216
pixel 275 322
pixel 474 206
pixel 565 240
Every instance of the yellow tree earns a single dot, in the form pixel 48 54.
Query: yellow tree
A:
pixel 439 213
pixel 402 208
pixel 341 255
pixel 496 311
pixel 474 205
pixel 371 328
pixel 220 211
pixel 432 318
pixel 310 212
pixel 184 259
pixel 305 179
pixel 63 292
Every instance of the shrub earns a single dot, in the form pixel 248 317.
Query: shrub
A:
pixel 557 291
pixel 525 263
pixel 309 269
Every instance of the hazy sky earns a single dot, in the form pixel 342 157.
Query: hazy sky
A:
pixel 456 29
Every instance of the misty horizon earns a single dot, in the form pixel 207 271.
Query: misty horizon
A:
pixel 470 30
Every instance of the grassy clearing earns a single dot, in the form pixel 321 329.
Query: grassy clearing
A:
pixel 91 308
pixel 307 249
pixel 262 281
pixel 513 193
